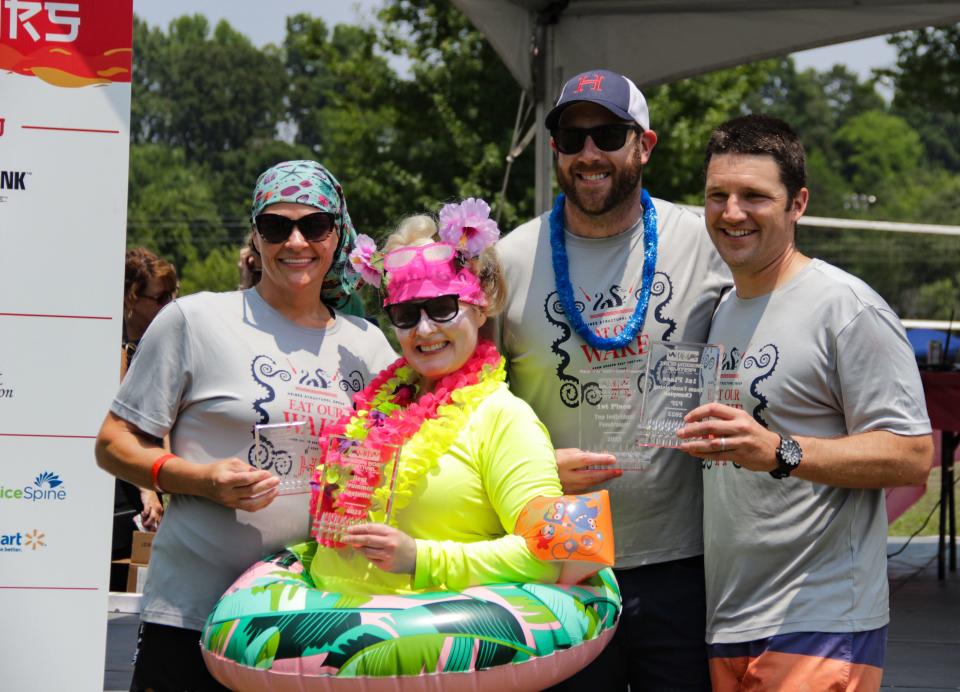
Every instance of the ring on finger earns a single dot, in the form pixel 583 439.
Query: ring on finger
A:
pixel 723 444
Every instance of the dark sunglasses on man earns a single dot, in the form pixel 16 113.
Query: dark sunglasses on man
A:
pixel 314 228
pixel 407 314
pixel 609 137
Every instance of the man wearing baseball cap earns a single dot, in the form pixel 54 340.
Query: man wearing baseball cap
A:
pixel 591 284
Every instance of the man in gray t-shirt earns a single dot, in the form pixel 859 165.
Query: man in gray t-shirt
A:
pixel 821 407
pixel 589 287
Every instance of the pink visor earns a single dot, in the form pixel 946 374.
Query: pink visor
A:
pixel 428 271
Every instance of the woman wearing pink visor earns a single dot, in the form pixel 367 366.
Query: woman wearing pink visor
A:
pixel 472 454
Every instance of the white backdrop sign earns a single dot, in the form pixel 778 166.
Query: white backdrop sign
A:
pixel 64 132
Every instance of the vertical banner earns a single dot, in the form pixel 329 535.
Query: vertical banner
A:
pixel 65 70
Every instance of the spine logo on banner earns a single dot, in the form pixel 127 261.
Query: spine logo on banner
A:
pixel 17 542
pixel 47 487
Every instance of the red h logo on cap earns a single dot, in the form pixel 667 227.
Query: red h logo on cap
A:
pixel 588 82
pixel 2 121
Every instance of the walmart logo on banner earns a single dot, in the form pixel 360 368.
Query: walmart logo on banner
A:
pixel 47 487
pixel 20 541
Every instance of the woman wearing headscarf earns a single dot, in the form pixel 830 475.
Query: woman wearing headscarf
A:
pixel 210 368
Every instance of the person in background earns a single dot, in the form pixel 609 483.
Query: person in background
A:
pixel 249 265
pixel 210 367
pixel 829 411
pixel 150 282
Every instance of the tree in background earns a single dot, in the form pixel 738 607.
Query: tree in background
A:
pixel 211 111
pixel 344 106
pixel 456 113
pixel 683 114
pixel 182 98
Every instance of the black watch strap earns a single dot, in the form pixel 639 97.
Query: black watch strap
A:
pixel 789 456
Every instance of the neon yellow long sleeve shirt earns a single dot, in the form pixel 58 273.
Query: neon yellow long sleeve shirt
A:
pixel 463 511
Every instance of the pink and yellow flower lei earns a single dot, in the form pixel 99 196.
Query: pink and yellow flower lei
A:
pixel 385 413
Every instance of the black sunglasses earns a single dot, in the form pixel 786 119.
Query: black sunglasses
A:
pixel 610 137
pixel 314 228
pixel 161 299
pixel 440 309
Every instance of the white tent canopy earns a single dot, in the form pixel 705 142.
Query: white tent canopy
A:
pixel 544 42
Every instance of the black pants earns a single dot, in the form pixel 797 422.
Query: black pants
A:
pixel 169 660
pixel 659 644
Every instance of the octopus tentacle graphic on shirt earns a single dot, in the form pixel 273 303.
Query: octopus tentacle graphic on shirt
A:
pixel 317 378
pixel 265 368
pixel 731 360
pixel 766 359
pixel 605 300
pixel 553 309
pixel 662 286
pixel 352 382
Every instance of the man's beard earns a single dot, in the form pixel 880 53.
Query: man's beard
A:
pixel 625 182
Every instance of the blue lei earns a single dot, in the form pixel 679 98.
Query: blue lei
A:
pixel 561 273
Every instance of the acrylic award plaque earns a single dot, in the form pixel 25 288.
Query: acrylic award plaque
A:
pixel 288 451
pixel 678 378
pixel 611 399
pixel 355 485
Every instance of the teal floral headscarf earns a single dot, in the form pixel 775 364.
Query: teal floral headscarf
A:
pixel 307 182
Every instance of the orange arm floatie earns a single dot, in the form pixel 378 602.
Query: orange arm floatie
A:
pixel 575 529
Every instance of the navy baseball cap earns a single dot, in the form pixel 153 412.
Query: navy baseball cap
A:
pixel 613 91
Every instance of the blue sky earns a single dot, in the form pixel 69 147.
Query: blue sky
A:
pixel 264 22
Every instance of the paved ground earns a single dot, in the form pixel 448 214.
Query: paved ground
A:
pixel 923 654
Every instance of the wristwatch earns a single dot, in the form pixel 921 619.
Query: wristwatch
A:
pixel 789 456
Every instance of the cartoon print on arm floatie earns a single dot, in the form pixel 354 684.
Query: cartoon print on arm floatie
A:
pixel 576 529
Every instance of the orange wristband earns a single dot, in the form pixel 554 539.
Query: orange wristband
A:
pixel 155 471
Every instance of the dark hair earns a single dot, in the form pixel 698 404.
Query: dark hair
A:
pixel 143 265
pixel 249 265
pixel 762 135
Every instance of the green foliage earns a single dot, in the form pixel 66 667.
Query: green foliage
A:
pixel 940 299
pixel 171 207
pixel 683 115
pixel 927 74
pixel 457 113
pixel 181 95
pixel 924 515
pixel 211 111
pixel 878 150
pixel 215 272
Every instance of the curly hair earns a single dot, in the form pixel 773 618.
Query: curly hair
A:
pixel 142 265
pixel 421 229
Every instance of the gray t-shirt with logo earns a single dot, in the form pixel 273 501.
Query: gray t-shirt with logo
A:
pixel 657 511
pixel 822 356
pixel 210 367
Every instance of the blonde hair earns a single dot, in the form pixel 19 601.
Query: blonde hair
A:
pixel 421 229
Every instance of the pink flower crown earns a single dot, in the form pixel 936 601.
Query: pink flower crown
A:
pixel 427 271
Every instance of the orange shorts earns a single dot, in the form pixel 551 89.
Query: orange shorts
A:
pixel 801 661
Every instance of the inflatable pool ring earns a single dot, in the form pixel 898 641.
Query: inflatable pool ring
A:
pixel 274 631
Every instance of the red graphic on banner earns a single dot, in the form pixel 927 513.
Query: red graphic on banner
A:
pixel 67 44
